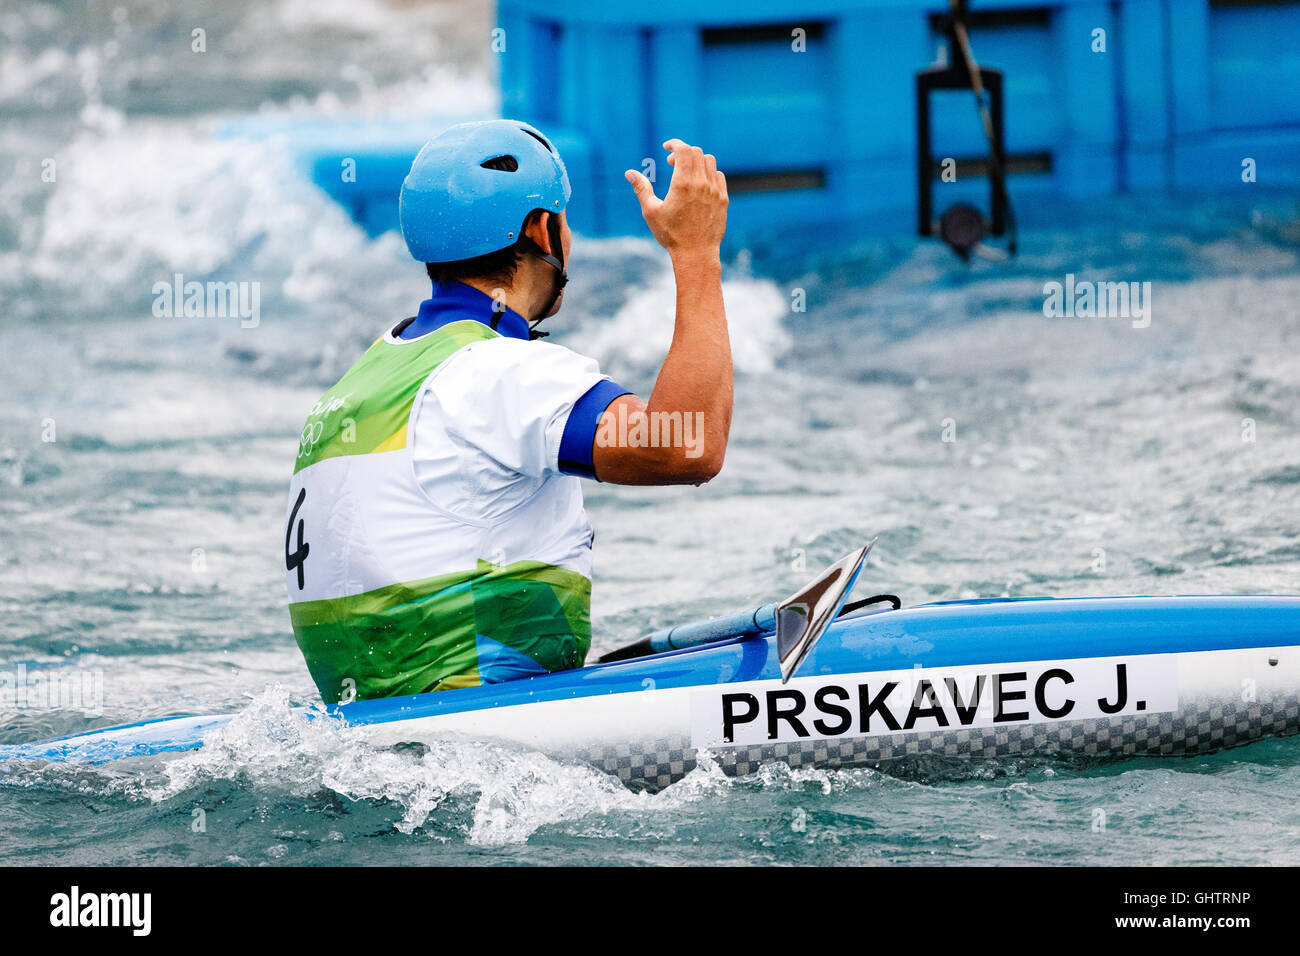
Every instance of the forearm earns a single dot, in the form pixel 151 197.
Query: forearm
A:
pixel 696 378
pixel 680 436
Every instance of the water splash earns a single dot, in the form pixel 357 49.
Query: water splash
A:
pixel 509 792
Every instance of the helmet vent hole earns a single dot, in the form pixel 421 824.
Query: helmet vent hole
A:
pixel 540 138
pixel 506 163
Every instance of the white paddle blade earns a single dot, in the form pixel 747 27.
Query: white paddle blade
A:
pixel 803 617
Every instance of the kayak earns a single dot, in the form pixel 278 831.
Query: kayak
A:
pixel 1112 676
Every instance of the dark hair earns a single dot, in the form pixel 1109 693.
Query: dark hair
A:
pixel 499 265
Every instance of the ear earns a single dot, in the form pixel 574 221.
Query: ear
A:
pixel 536 230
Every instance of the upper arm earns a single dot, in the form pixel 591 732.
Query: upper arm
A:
pixel 539 409
pixel 634 446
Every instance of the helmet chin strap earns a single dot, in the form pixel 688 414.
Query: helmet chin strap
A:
pixel 558 281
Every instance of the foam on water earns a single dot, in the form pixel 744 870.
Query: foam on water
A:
pixel 134 208
pixel 140 194
pixel 639 333
pixel 482 792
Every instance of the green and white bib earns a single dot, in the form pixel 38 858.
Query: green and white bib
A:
pixel 396 588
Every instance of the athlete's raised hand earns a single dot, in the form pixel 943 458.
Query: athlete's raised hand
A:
pixel 693 216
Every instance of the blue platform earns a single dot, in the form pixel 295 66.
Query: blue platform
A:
pixel 1185 92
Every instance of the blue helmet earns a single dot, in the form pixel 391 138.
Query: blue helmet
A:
pixel 472 185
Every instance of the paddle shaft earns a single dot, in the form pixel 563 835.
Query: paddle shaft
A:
pixel 761 620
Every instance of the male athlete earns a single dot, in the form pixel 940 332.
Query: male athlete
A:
pixel 436 536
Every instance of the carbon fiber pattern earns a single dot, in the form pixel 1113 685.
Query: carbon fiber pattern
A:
pixel 1204 729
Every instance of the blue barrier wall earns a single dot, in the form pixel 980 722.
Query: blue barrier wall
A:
pixel 1184 92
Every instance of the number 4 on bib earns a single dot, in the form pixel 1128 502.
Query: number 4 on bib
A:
pixel 295 559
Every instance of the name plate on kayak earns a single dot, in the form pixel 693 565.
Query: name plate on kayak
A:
pixel 924 700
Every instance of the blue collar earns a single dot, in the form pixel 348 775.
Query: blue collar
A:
pixel 456 302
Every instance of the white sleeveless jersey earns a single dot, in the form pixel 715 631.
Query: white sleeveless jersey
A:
pixel 432 540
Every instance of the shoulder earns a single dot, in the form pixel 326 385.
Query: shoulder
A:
pixel 512 351
pixel 502 359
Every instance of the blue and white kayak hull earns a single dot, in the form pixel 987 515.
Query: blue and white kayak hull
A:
pixel 1088 676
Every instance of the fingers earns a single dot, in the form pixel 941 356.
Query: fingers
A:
pixel 693 213
pixel 695 163
pixel 680 156
pixel 691 163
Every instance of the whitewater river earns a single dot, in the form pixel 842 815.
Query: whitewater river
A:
pixel 995 451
